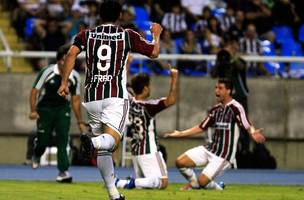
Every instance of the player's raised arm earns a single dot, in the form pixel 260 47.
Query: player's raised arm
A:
pixel 171 98
pixel 156 30
pixel 69 64
pixel 185 133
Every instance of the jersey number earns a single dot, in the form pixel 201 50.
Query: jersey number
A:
pixel 106 57
pixel 138 126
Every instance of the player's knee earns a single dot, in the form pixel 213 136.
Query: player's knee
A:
pixel 203 180
pixel 179 163
pixel 164 183
pixel 104 142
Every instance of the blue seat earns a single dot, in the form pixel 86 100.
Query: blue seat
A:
pixel 269 50
pixel 301 34
pixel 291 48
pixel 282 33
pixel 141 14
pixel 218 12
pixel 29 27
pixel 145 27
pixel 139 66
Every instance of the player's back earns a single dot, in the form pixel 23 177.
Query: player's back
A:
pixel 106 55
pixel 107 47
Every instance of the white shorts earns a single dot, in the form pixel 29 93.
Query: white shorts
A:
pixel 150 165
pixel 214 165
pixel 111 111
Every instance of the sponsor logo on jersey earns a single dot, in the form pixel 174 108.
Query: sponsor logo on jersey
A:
pixel 105 36
pixel 222 126
pixel 102 78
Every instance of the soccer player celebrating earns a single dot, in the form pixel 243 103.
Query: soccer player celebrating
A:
pixel 106 98
pixel 148 162
pixel 225 117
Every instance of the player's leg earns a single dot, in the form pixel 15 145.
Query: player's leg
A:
pixel 107 120
pixel 215 166
pixel 187 161
pixel 154 170
pixel 62 127
pixel 44 131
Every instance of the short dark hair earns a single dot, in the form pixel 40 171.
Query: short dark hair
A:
pixel 227 82
pixel 110 11
pixel 139 81
pixel 62 50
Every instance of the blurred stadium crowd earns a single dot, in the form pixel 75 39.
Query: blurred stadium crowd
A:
pixel 262 27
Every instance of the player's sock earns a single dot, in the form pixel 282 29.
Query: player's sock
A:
pixel 120 183
pixel 189 174
pixel 149 182
pixel 106 168
pixel 104 141
pixel 213 186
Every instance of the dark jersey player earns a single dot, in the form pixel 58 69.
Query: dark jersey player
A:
pixel 106 98
pixel 226 118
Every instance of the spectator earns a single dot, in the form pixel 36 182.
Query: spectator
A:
pixel 251 45
pixel 27 9
pixel 202 24
pixel 212 42
pixel 237 30
pixel 175 21
pixel 72 23
pixel 127 18
pixel 50 34
pixel 259 14
pixel 227 19
pixel 190 46
pixel 167 46
pixel 159 8
pixel 91 18
pixel 55 9
pixel 193 9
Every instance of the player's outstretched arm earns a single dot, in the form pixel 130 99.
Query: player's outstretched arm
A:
pixel 171 98
pixel 256 134
pixel 156 30
pixel 69 63
pixel 185 133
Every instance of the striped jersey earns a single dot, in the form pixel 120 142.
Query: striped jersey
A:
pixel 226 121
pixel 48 82
pixel 107 48
pixel 142 129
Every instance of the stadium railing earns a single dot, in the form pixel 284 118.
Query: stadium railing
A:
pixel 8 55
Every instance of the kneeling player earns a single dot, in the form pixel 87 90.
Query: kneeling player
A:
pixel 149 165
pixel 225 117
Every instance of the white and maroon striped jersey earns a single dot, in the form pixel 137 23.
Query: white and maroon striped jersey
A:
pixel 142 130
pixel 107 48
pixel 226 121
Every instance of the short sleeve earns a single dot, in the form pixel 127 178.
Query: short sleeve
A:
pixel 80 40
pixel 139 44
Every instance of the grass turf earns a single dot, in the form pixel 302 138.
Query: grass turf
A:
pixel 32 190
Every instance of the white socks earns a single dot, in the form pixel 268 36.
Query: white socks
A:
pixel 106 168
pixel 189 174
pixel 213 186
pixel 103 142
pixel 149 182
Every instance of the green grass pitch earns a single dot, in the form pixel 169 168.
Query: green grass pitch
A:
pixel 39 190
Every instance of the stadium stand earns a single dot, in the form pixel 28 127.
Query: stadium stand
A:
pixel 18 64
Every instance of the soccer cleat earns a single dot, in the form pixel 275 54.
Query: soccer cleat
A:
pixel 35 162
pixel 222 185
pixel 121 197
pixel 64 177
pixel 130 184
pixel 87 149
